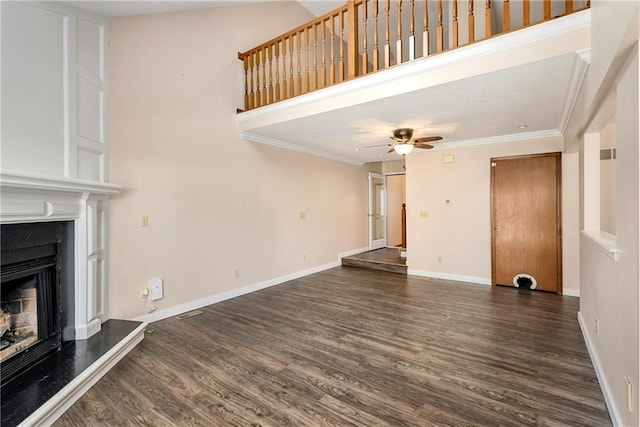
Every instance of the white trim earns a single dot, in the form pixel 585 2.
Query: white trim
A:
pixel 580 65
pixel 43 182
pixel 446 276
pixel 295 147
pixel 604 241
pixel 571 292
pixel 604 386
pixel 48 413
pixel 513 137
pixel 214 299
pixel 353 252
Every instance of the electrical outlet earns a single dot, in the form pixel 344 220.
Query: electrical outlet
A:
pixel 156 289
pixel 627 381
pixel 424 214
pixel 236 272
pixel 597 326
pixel 439 258
pixel 304 257
pixel 302 215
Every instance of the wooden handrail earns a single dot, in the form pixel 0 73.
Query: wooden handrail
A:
pixel 345 43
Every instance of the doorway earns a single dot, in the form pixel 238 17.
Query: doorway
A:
pixel 526 222
pixel 377 210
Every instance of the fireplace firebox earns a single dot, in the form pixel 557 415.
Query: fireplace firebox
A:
pixel 36 293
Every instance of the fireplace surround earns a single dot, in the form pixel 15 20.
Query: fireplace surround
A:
pixel 80 208
pixel 36 293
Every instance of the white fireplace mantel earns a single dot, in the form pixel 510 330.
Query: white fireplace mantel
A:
pixel 36 198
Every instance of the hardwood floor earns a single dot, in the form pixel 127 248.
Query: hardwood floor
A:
pixel 350 346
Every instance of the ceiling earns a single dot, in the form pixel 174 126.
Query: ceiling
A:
pixel 113 8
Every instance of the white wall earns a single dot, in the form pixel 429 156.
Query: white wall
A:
pixel 214 201
pixel 609 287
pixel 53 98
pixel 460 233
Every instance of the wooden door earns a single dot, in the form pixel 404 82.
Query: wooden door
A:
pixel 525 220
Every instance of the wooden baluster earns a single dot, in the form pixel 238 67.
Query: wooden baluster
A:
pixel 265 86
pixel 305 86
pixel 271 92
pixel 455 23
pixel 332 67
pixel 314 43
pixel 568 6
pixel 588 3
pixel 526 15
pixel 487 20
pixel 506 16
pixel 399 42
pixel 425 29
pixel 365 53
pixel 292 89
pixel 257 78
pixel 276 93
pixel 403 216
pixel 376 59
pixel 439 46
pixel 412 31
pixel 341 42
pixel 352 39
pixel 472 23
pixel 547 9
pixel 250 75
pixel 245 62
pixel 387 47
pixel 323 72
pixel 299 63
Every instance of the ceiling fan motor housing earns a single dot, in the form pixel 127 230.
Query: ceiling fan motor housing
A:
pixel 403 134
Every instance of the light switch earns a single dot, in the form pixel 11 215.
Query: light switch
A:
pixel 144 221
pixel 156 289
pixel 424 214
pixel 302 215
pixel 448 158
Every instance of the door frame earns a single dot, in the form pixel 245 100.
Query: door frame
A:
pixel 379 243
pixel 558 157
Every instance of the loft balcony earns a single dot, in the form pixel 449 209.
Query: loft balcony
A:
pixel 471 71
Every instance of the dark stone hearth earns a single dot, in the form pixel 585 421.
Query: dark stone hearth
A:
pixel 27 392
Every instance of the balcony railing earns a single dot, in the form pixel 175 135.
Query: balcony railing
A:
pixel 365 36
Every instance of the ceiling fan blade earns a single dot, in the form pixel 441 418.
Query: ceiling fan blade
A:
pixel 423 145
pixel 379 145
pixel 391 150
pixel 428 139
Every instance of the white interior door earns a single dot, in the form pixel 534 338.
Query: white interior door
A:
pixel 377 211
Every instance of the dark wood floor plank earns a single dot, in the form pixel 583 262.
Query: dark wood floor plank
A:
pixel 350 346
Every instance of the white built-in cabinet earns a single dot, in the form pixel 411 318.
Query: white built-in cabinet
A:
pixel 54 145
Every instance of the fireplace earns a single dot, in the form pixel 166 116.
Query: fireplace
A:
pixel 36 293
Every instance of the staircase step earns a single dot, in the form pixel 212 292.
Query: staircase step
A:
pixel 373 265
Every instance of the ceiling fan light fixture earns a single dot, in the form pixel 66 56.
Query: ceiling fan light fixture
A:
pixel 403 149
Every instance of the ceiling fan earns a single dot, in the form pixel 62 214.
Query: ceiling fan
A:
pixel 404 145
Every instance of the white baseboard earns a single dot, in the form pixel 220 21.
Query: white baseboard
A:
pixel 447 276
pixel 615 418
pixel 213 299
pixel 48 413
pixel 571 292
pixel 353 252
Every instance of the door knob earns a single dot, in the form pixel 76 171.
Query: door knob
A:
pixel 498 228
